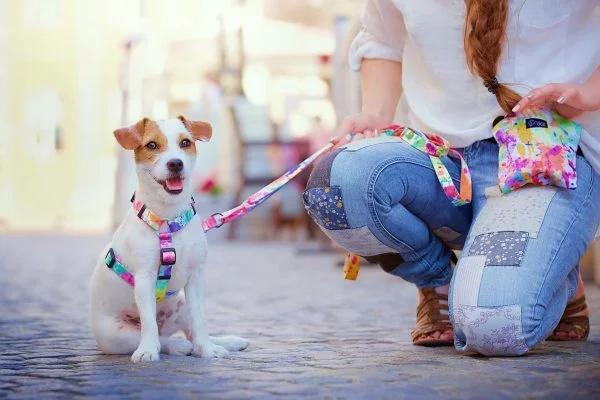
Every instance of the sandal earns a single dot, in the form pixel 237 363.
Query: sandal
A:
pixel 430 319
pixel 569 323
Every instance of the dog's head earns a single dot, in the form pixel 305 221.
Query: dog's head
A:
pixel 165 151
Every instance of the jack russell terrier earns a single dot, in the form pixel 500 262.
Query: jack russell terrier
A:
pixel 158 250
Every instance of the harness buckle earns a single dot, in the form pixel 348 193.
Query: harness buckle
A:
pixel 110 258
pixel 168 256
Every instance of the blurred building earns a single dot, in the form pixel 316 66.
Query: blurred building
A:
pixel 59 98
pixel 73 70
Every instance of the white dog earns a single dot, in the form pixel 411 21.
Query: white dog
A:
pixel 135 302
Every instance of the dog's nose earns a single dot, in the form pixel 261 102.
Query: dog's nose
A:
pixel 175 165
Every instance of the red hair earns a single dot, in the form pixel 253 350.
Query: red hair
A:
pixel 485 33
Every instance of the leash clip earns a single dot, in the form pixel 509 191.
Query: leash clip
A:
pixel 218 217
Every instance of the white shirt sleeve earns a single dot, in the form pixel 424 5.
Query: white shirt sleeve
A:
pixel 382 34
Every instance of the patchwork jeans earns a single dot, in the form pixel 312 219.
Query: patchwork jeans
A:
pixel 380 198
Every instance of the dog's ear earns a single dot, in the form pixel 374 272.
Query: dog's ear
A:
pixel 130 138
pixel 200 130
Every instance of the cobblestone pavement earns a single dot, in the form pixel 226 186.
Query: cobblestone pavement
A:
pixel 313 335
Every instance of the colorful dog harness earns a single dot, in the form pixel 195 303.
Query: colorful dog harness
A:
pixel 168 256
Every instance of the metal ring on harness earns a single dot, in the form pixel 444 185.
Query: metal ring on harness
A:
pixel 220 220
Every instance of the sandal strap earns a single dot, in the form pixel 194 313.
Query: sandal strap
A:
pixel 574 307
pixel 580 325
pixel 425 329
pixel 430 306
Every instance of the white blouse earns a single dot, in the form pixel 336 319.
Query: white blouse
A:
pixel 548 41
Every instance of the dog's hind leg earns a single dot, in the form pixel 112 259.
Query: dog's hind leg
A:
pixel 230 342
pixel 116 335
pixel 124 336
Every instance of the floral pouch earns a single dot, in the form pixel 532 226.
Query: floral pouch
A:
pixel 536 146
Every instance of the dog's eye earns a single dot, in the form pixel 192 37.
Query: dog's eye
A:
pixel 185 143
pixel 151 146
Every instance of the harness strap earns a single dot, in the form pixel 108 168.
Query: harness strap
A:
pixel 114 263
pixel 168 255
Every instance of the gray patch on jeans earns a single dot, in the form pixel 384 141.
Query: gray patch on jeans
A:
pixel 490 331
pixel 358 240
pixel 505 249
pixel 321 173
pixel 467 280
pixel 522 210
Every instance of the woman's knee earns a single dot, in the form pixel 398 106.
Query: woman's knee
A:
pixel 491 331
pixel 338 207
pixel 504 330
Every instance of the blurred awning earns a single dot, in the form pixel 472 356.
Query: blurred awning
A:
pixel 319 13
pixel 282 46
pixel 286 39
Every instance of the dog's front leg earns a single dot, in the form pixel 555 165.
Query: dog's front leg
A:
pixel 145 300
pixel 194 295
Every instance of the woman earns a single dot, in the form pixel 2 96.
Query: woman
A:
pixel 462 64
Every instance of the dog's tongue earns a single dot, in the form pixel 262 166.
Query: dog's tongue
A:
pixel 175 183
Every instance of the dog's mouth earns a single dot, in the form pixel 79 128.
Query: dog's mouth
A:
pixel 173 184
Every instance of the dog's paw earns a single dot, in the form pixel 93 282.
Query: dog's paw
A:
pixel 145 354
pixel 230 342
pixel 178 347
pixel 209 350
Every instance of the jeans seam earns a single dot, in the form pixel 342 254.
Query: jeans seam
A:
pixel 576 216
pixel 374 215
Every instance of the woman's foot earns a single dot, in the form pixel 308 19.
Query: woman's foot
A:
pixel 575 322
pixel 433 326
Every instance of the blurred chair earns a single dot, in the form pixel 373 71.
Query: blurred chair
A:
pixel 258 140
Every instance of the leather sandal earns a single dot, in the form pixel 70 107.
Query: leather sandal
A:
pixel 430 319
pixel 569 323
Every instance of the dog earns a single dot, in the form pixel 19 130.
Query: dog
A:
pixel 135 292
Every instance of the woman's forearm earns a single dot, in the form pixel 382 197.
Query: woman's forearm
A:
pixel 381 82
pixel 592 90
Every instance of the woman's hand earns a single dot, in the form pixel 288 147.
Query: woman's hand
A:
pixel 569 100
pixel 359 126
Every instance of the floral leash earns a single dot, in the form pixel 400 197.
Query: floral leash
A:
pixel 432 145
pixel 435 147
pixel 219 219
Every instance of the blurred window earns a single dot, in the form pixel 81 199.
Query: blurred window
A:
pixel 42 14
pixel 43 135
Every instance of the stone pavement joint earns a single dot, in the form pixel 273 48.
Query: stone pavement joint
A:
pixel 312 334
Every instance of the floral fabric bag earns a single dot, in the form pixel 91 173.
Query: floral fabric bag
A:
pixel 537 146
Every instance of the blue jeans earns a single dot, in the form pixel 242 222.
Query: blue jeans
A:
pixel 380 198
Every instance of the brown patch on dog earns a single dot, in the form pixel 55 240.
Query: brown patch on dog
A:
pixel 190 149
pixel 200 130
pixel 130 137
pixel 152 133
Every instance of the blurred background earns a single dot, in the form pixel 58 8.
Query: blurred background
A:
pixel 271 76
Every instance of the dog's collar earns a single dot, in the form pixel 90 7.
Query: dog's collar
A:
pixel 156 222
